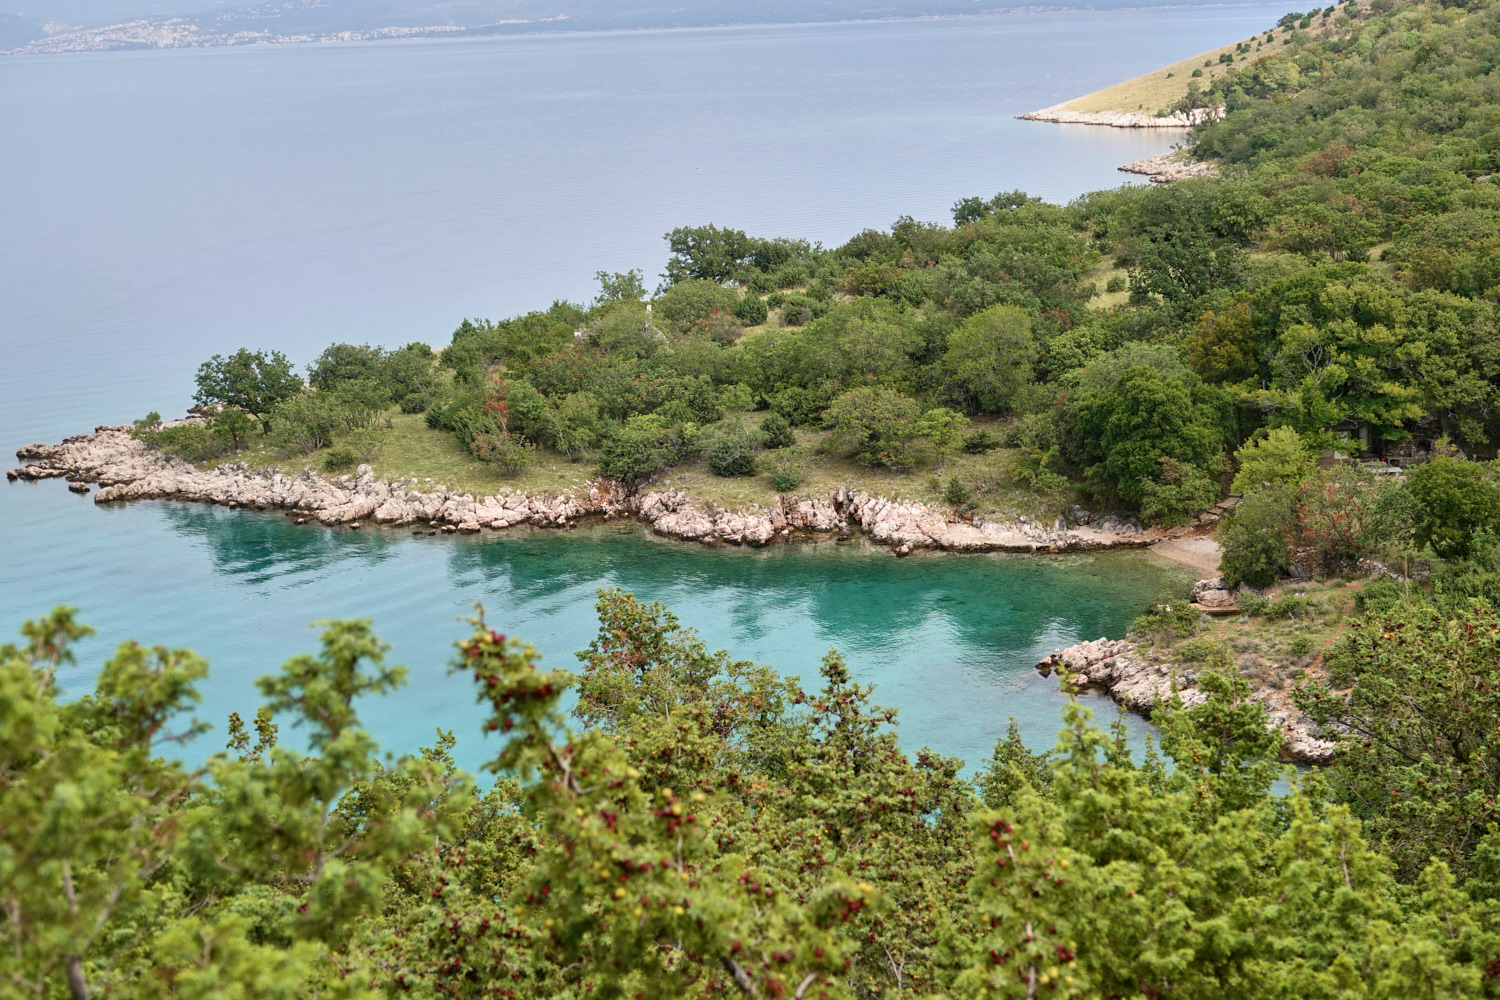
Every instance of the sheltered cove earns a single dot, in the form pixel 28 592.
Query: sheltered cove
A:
pixel 125 469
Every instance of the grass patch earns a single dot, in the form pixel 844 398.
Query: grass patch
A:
pixel 1269 649
pixel 1158 91
pixel 436 461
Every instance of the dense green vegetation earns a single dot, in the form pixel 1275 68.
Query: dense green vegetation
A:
pixel 1336 281
pixel 717 829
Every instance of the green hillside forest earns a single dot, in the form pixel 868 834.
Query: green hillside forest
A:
pixel 1312 330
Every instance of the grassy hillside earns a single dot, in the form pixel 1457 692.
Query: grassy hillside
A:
pixel 1164 88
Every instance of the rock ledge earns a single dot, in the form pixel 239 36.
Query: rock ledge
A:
pixel 125 469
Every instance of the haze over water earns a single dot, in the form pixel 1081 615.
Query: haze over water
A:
pixel 156 208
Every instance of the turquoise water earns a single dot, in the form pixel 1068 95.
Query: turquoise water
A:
pixel 156 208
pixel 950 640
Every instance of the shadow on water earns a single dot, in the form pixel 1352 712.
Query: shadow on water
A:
pixel 260 549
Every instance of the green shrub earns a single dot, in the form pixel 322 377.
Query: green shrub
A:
pixel 1181 492
pixel 1292 606
pixel 1252 604
pixel 760 283
pixel 732 452
pixel 1174 615
pixel 1204 650
pixel 366 444
pixel 307 422
pixel 1380 595
pixel 980 441
pixel 1117 282
pixel 751 310
pixel 637 450
pixel 776 431
pixel 415 402
pixel 788 469
pixel 1302 645
pixel 875 424
pixel 339 458
pixel 956 494
pixel 509 453
pixel 1254 539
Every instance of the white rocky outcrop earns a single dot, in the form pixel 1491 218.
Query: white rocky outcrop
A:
pixel 1124 119
pixel 1140 684
pixel 1164 168
pixel 126 469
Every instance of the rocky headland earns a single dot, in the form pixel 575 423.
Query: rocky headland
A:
pixel 124 468
pixel 1060 114
pixel 1167 167
pixel 1139 680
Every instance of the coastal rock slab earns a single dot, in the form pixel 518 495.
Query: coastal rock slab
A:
pixel 1115 667
pixel 1124 119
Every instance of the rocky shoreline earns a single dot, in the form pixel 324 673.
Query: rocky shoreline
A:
pixel 1167 167
pixel 125 469
pixel 1139 682
pixel 1059 114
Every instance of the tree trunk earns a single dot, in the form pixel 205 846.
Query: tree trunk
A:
pixel 77 984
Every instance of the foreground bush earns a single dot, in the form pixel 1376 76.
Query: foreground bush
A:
pixel 718 830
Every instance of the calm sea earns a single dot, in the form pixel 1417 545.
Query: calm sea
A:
pixel 156 208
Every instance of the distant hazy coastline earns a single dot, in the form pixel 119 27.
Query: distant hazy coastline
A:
pixel 312 22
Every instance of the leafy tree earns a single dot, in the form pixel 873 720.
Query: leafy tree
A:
pixel 1453 501
pixel 706 253
pixel 231 423
pixel 943 429
pixel 1255 540
pixel 619 287
pixel 989 356
pixel 1128 428
pixel 689 300
pixel 1224 346
pixel 307 422
pixel 874 423
pixel 253 381
pixel 1278 457
pixel 346 362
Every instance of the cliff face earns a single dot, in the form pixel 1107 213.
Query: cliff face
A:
pixel 125 469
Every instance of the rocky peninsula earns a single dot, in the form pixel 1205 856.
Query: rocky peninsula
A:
pixel 124 468
pixel 1139 679
pixel 1060 115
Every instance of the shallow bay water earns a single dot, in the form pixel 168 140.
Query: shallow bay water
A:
pixel 156 208
pixel 950 640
